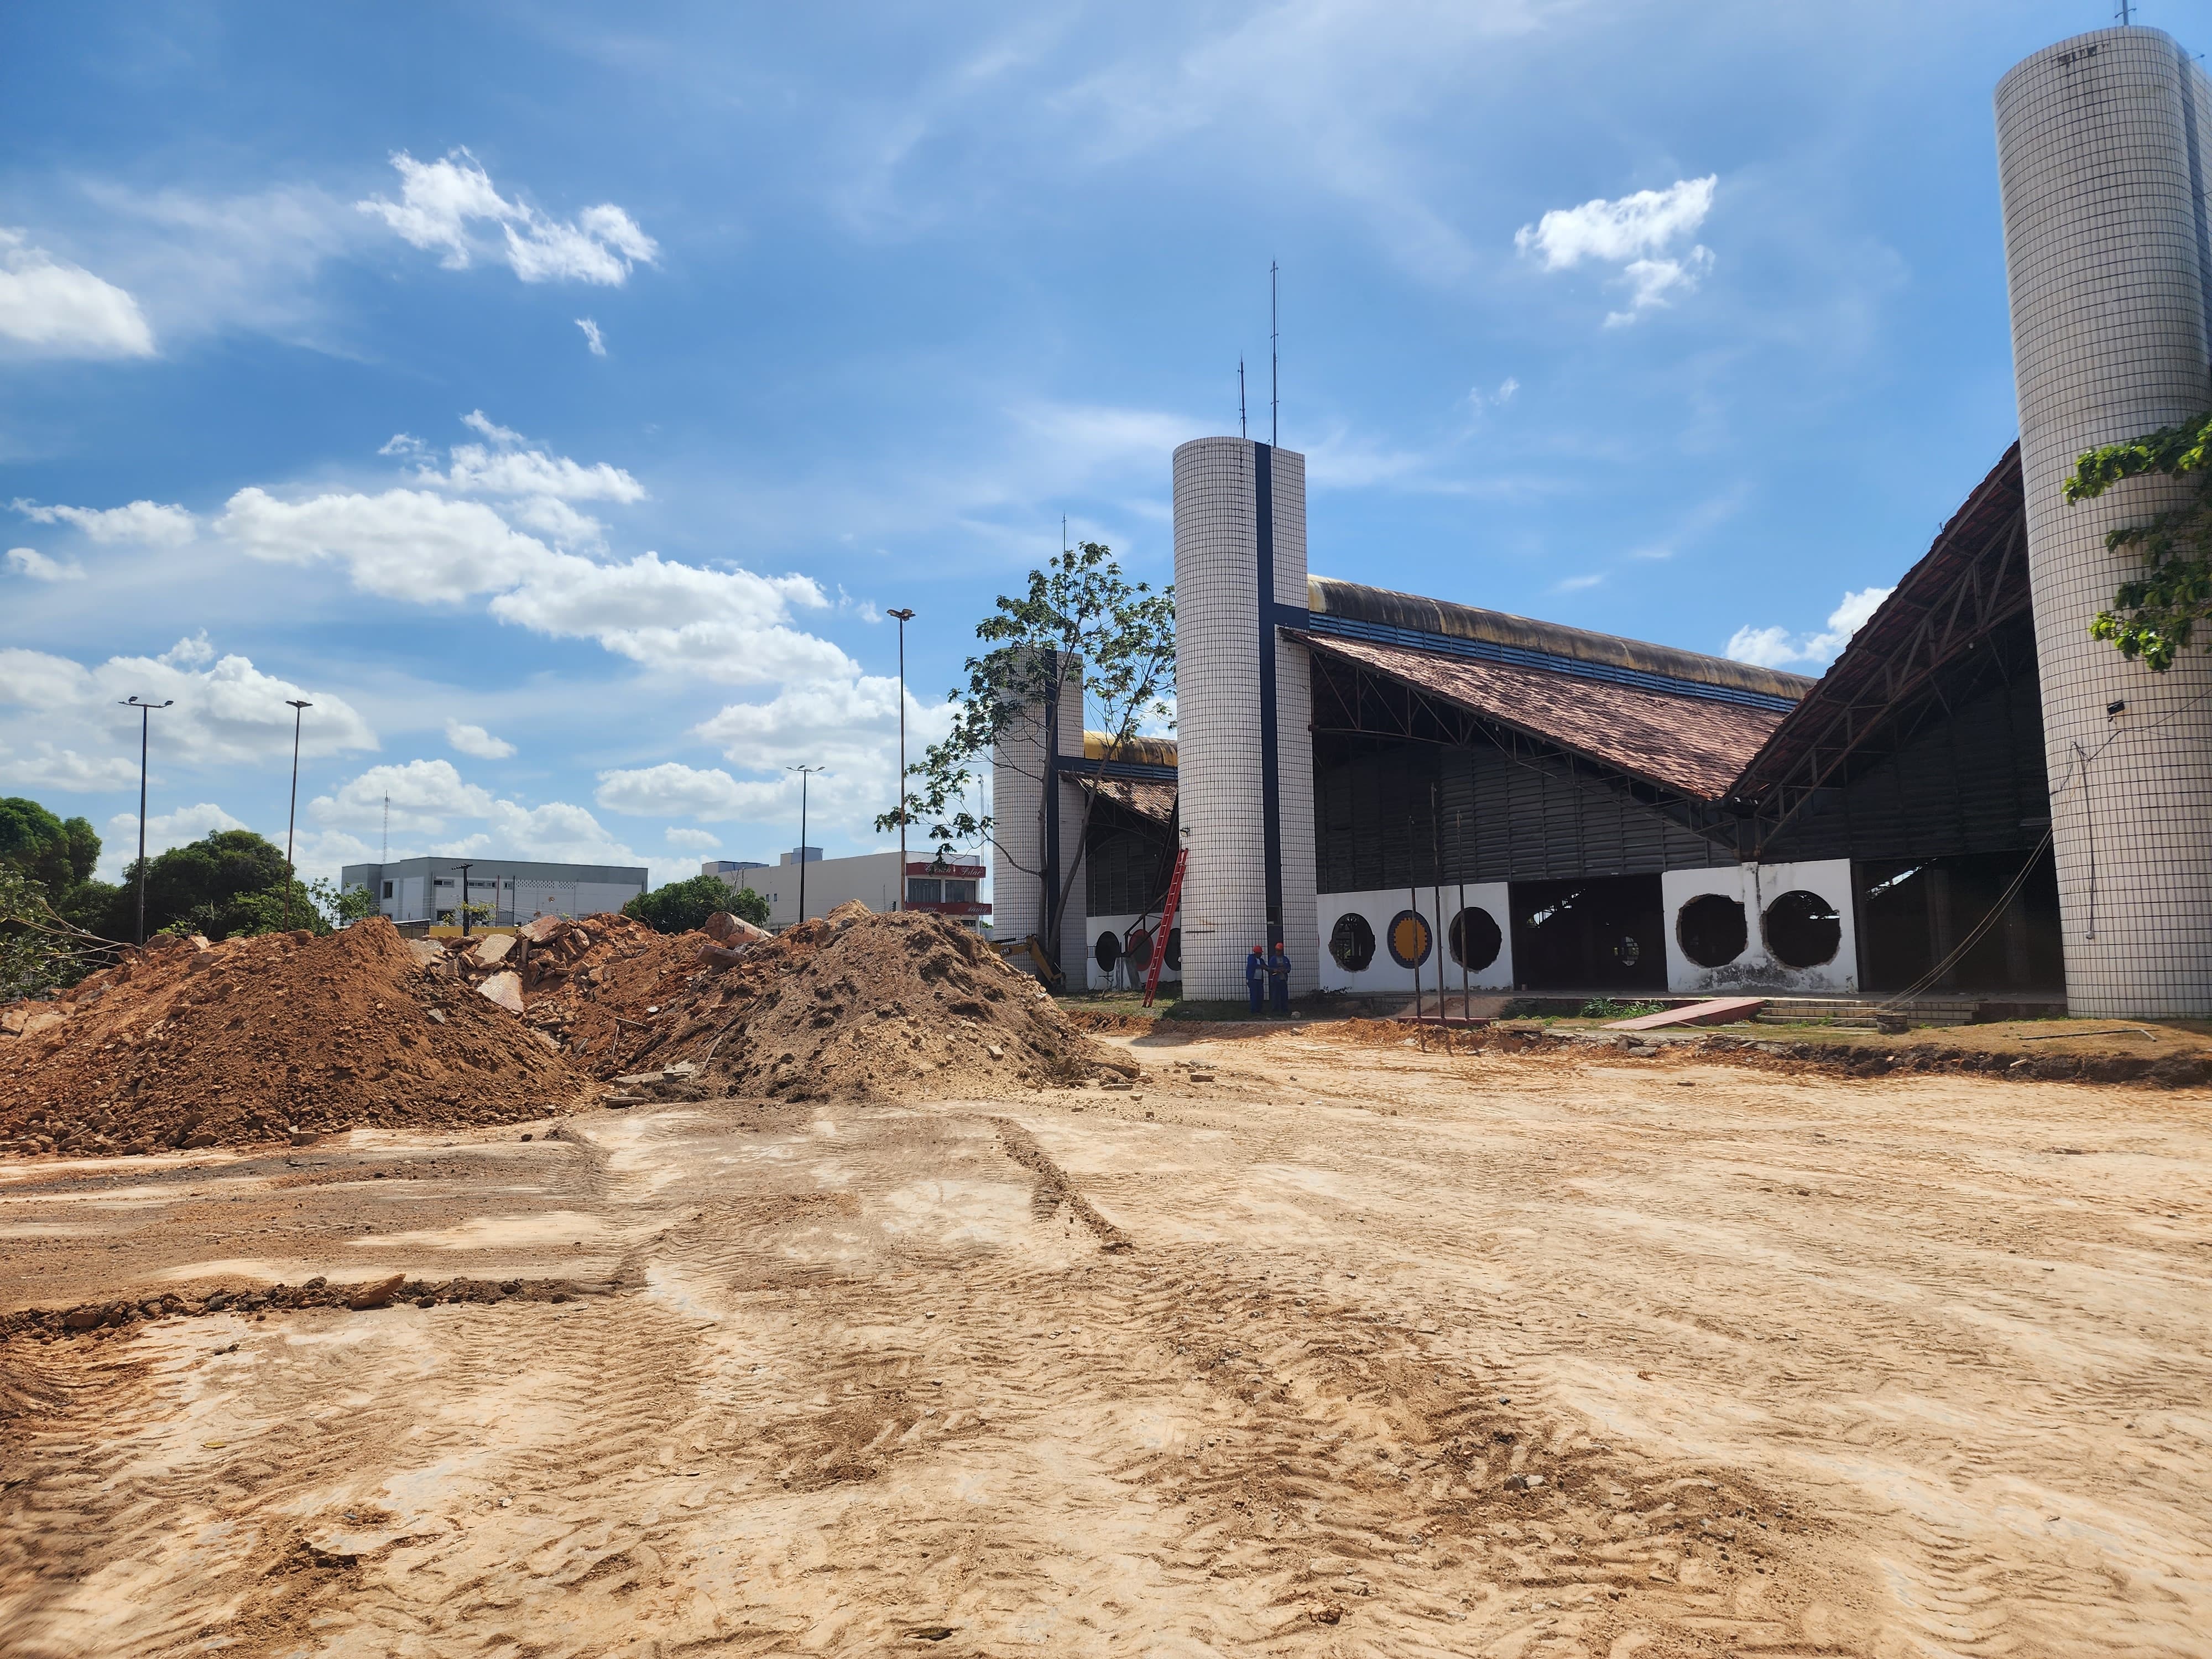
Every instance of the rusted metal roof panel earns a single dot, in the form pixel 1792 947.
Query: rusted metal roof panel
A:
pixel 1156 801
pixel 1420 614
pixel 1938 608
pixel 1693 745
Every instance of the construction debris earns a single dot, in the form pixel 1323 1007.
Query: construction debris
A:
pixel 850 1005
pixel 258 1039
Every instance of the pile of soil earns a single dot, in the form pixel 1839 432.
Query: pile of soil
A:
pixel 907 1004
pixel 192 1045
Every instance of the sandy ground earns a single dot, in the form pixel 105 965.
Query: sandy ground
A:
pixel 1258 1364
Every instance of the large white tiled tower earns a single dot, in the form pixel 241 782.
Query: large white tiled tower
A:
pixel 2104 146
pixel 1022 829
pixel 1242 712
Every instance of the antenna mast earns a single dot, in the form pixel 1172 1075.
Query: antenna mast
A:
pixel 384 856
pixel 1241 431
pixel 1274 362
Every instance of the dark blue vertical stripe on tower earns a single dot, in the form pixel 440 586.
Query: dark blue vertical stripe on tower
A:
pixel 1050 874
pixel 1271 804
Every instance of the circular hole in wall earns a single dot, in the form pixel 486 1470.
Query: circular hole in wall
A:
pixel 1475 940
pixel 1139 949
pixel 1802 929
pixel 1352 942
pixel 1711 930
pixel 1173 963
pixel 1410 939
pixel 1107 951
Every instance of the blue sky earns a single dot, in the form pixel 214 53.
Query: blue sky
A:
pixel 876 295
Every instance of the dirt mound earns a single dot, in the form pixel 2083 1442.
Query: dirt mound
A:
pixel 255 1038
pixel 906 1003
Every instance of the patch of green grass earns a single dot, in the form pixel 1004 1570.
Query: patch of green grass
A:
pixel 1607 1008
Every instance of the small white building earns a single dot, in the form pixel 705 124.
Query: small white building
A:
pixel 946 889
pixel 514 891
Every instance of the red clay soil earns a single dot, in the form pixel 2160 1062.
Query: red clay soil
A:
pixel 257 1039
pixel 907 1004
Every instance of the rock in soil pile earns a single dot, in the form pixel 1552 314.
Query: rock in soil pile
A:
pixel 906 1004
pixel 190 1045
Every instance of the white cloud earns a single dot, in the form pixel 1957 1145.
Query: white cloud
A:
pixel 163 831
pixel 29 562
pixel 148 522
pixel 849 725
pixel 426 796
pixel 557 832
pixel 1634 233
pixel 727 625
pixel 1576 584
pixel 441 202
pixel 50 767
pixel 423 795
pixel 225 711
pixel 694 840
pixel 194 651
pixel 1776 647
pixel 674 790
pixel 475 740
pixel 56 309
pixel 204 265
pixel 593 339
pixel 503 467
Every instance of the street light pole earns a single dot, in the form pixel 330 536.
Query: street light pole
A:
pixel 299 707
pixel 904 617
pixel 464 903
pixel 804 773
pixel 145 717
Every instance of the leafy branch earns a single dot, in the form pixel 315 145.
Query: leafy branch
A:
pixel 1081 629
pixel 2155 618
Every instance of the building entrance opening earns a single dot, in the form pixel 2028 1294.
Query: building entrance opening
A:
pixel 1915 912
pixel 1600 933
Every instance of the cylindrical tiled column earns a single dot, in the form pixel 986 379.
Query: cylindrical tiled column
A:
pixel 1019 905
pixel 1219 635
pixel 2103 144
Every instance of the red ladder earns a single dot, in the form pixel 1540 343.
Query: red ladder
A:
pixel 1167 923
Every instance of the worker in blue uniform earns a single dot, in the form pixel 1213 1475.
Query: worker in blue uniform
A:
pixel 1279 977
pixel 1255 976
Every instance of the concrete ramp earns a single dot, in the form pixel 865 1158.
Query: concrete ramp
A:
pixel 1718 1011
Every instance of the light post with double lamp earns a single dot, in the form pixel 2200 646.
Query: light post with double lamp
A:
pixel 299 707
pixel 804 773
pixel 903 617
pixel 145 715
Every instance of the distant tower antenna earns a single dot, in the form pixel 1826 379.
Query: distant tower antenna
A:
pixel 1241 432
pixel 384 856
pixel 1274 362
pixel 2125 19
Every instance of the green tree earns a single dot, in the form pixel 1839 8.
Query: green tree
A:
pixel 342 905
pixel 229 882
pixel 56 853
pixel 682 906
pixel 2155 618
pixel 1080 629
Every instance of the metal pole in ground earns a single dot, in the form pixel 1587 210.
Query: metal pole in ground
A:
pixel 145 716
pixel 463 909
pixel 1436 905
pixel 1459 863
pixel 805 772
pixel 299 708
pixel 904 617
pixel 1414 909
